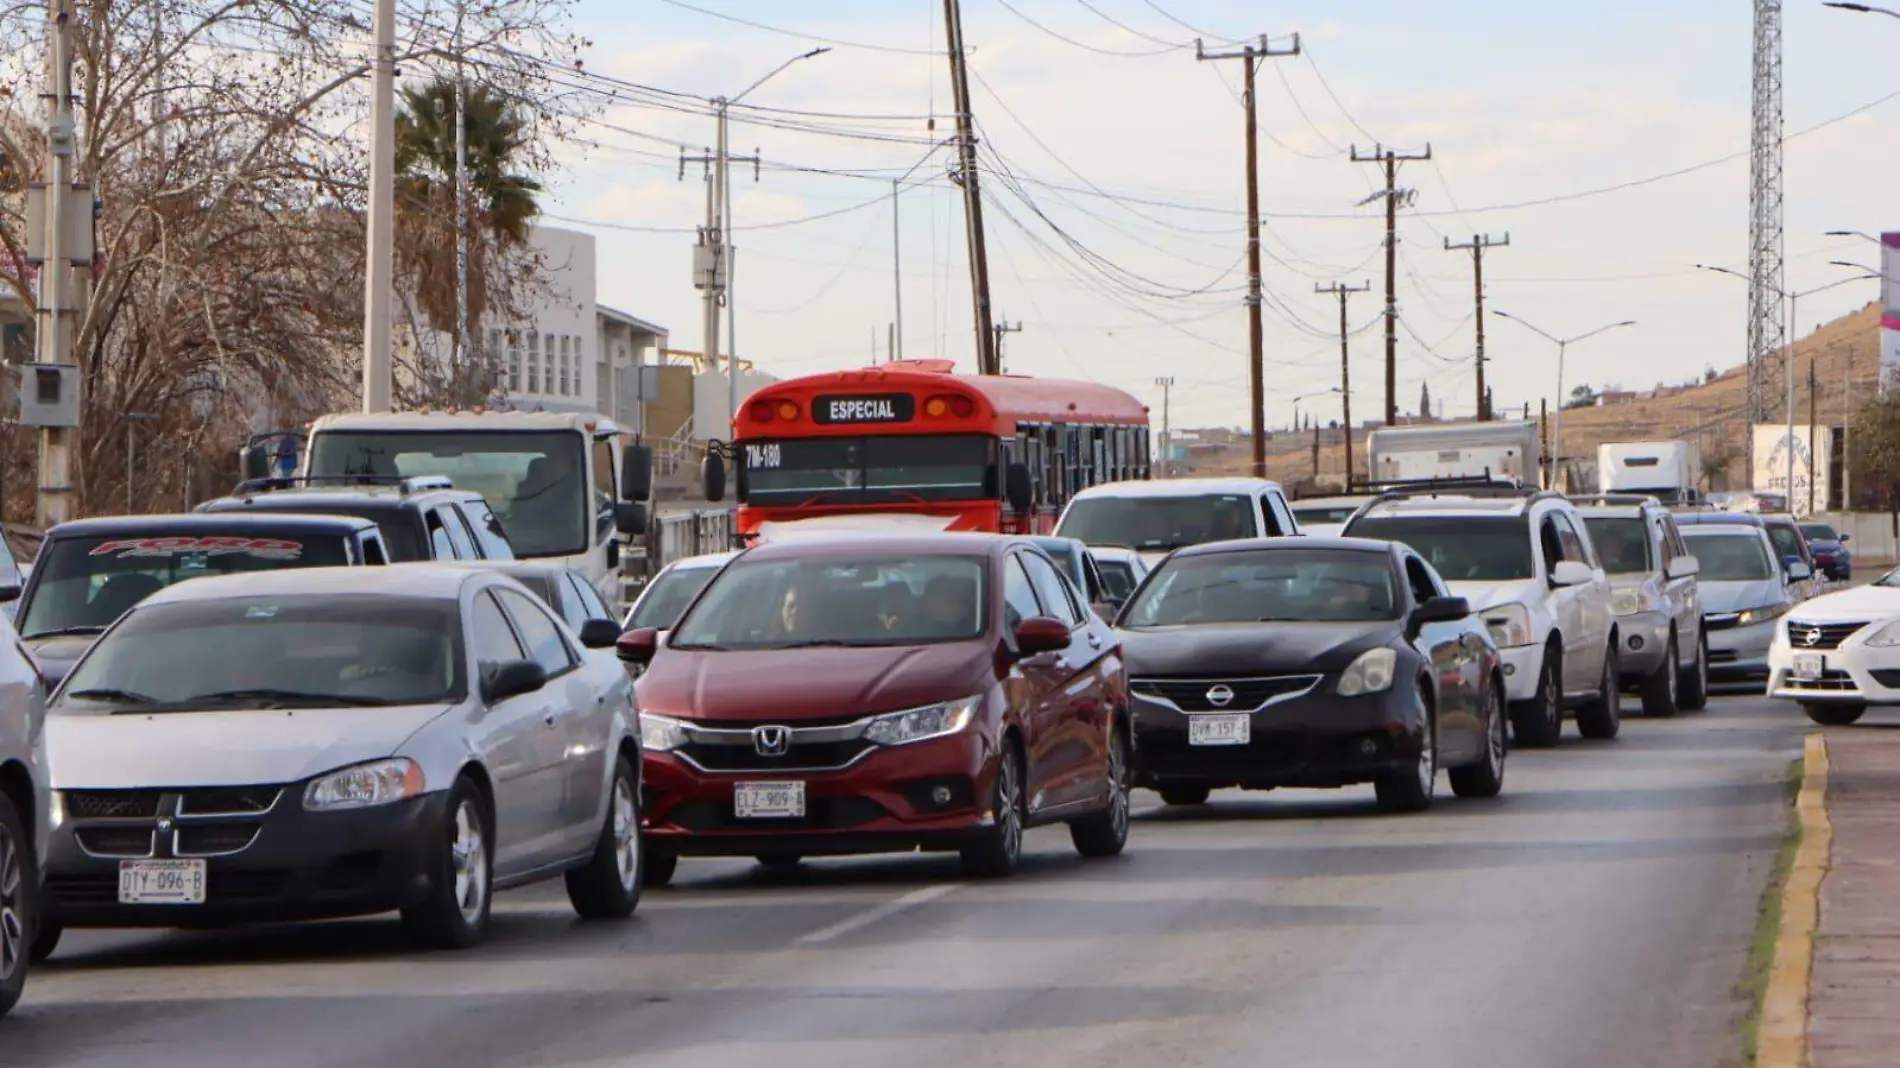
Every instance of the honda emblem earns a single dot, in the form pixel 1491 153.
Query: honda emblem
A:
pixel 772 741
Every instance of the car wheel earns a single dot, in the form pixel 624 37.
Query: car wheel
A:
pixel 658 867
pixel 1105 833
pixel 19 899
pixel 1486 777
pixel 1603 717
pixel 1000 845
pixel 607 887
pixel 1693 695
pixel 1410 789
pixel 1661 690
pixel 1185 796
pixel 454 915
pixel 1834 715
pixel 1539 722
pixel 779 861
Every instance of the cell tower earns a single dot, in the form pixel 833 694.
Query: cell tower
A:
pixel 1766 246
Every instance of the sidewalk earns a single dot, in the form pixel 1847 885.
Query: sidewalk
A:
pixel 1854 999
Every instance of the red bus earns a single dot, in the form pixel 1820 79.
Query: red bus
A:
pixel 997 453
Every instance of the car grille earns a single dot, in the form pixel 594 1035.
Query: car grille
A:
pixel 1829 682
pixel 1249 694
pixel 116 841
pixel 221 887
pixel 798 755
pixel 229 801
pixel 112 804
pixel 210 821
pixel 1824 635
pixel 1723 656
pixel 214 839
pixel 821 814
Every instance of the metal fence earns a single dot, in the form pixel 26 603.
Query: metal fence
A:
pixel 673 536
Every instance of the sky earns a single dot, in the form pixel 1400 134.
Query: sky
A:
pixel 1115 195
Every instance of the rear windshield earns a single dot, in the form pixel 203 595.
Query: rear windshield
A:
pixel 1622 544
pixel 660 606
pixel 1160 523
pixel 400 538
pixel 84 584
pixel 1787 540
pixel 1309 585
pixel 1464 549
pixel 1726 557
pixel 1819 532
pixel 1118 578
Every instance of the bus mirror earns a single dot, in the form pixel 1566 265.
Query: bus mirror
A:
pixel 636 472
pixel 255 459
pixel 1017 488
pixel 630 518
pixel 712 476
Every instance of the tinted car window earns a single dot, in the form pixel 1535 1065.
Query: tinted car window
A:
pixel 1622 543
pixel 660 606
pixel 1051 590
pixel 592 607
pixel 492 636
pixel 266 651
pixel 1019 597
pixel 1155 523
pixel 459 536
pixel 1468 549
pixel 573 609
pixel 538 633
pixel 1737 557
pixel 1573 545
pixel 89 582
pixel 1787 540
pixel 1118 578
pixel 1305 586
pixel 1819 532
pixel 489 535
pixel 823 601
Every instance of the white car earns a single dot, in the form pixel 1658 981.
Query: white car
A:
pixel 1839 653
pixel 1326 517
pixel 1656 597
pixel 1524 561
pixel 1745 592
pixel 1159 516
pixel 24 807
pixel 668 593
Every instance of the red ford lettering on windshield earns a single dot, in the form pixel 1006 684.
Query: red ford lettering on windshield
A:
pixel 263 548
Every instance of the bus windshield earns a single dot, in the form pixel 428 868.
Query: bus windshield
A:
pixel 863 469
pixel 535 480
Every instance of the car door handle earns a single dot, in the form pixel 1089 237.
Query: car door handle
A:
pixel 547 717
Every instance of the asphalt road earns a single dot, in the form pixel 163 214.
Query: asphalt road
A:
pixel 1597 914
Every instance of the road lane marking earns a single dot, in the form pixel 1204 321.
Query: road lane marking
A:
pixel 885 911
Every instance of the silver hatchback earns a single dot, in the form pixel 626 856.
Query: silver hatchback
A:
pixel 23 804
pixel 331 742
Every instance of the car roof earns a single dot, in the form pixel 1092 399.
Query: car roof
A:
pixel 847 545
pixel 702 561
pixel 1726 519
pixel 1114 552
pixel 301 498
pixel 1304 542
pixel 1329 502
pixel 1451 504
pixel 511 567
pixel 1699 529
pixel 434 581
pixel 201 522
pixel 1175 487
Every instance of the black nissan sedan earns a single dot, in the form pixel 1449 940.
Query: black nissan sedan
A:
pixel 1310 662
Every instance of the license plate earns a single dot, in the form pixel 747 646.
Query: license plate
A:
pixel 1809 665
pixel 768 800
pixel 1220 730
pixel 161 882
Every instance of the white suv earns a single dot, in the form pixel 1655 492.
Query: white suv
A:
pixel 1525 562
pixel 1657 600
pixel 1156 517
pixel 23 805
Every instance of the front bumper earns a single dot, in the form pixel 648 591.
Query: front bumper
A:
pixel 1317 739
pixel 1523 664
pixel 1645 638
pixel 1853 674
pixel 1837 566
pixel 881 803
pixel 299 865
pixel 1741 653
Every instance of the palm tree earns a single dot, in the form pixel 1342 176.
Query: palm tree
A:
pixel 502 201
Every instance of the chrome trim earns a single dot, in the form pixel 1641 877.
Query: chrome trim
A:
pixel 769 772
pixel 180 812
pixel 179 852
pixel 742 736
pixel 151 848
pixel 1312 681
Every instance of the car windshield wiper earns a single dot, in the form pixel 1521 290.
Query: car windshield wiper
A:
pixel 64 632
pixel 279 698
pixel 121 696
pixel 831 643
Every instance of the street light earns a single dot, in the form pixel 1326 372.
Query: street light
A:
pixel 1562 343
pixel 1327 392
pixel 1865 9
pixel 1862 234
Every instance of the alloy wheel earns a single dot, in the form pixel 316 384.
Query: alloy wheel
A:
pixel 1675 678
pixel 469 855
pixel 626 834
pixel 1427 755
pixel 13 948
pixel 1494 733
pixel 1553 699
pixel 1009 814
pixel 1118 783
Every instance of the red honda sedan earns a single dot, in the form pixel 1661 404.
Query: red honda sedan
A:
pixel 851 695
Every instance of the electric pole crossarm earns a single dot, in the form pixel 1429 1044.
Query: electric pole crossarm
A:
pixel 1476 246
pixel 1390 160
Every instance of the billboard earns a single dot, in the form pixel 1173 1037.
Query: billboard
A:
pixel 1889 310
pixel 1811 448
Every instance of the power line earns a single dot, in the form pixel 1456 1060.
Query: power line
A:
pixel 1126 28
pixel 799 34
pixel 1012 9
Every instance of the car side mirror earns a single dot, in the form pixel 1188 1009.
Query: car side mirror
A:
pixel 1439 610
pixel 1018 489
pixel 9 594
pixel 636 473
pixel 1571 573
pixel 1684 567
pixel 1845 538
pixel 1041 634
pixel 637 646
pixel 630 518
pixel 1798 571
pixel 512 679
pixel 712 476
pixel 600 634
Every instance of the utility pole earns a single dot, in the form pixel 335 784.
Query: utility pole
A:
pixel 1316 450
pixel 1256 337
pixel 713 258
pixel 1343 291
pixel 987 362
pixel 1477 245
pixel 380 278
pixel 1000 329
pixel 897 276
pixel 461 196
pixel 1166 382
pixel 1813 404
pixel 53 502
pixel 1391 193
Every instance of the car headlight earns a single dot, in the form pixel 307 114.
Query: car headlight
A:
pixel 661 734
pixel 1510 625
pixel 1628 602
pixel 379 782
pixel 1371 673
pixel 1886 637
pixel 922 724
pixel 1763 614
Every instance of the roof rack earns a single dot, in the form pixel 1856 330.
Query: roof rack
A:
pixel 1617 499
pixel 408 485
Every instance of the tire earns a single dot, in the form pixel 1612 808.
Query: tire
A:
pixel 997 851
pixel 1693 694
pixel 454 915
pixel 1486 777
pixel 1539 722
pixel 1105 833
pixel 1603 717
pixel 1834 715
pixel 19 904
pixel 1410 789
pixel 1184 796
pixel 607 887
pixel 1662 696
pixel 779 861
pixel 658 866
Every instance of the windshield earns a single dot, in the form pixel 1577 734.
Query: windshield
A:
pixel 273 652
pixel 1465 549
pixel 1622 544
pixel 1787 540
pixel 1331 515
pixel 1736 557
pixel 660 606
pixel 1819 532
pixel 1118 578
pixel 879 601
pixel 534 480
pixel 892 468
pixel 1160 523
pixel 1312 586
pixel 84 584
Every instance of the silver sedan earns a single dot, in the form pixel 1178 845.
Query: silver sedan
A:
pixel 316 743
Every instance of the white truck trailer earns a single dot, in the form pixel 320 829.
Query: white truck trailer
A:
pixel 1667 470
pixel 1456 450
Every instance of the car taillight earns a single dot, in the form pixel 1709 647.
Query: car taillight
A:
pixel 761 411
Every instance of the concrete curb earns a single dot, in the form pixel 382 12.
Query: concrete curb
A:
pixel 1783 1036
